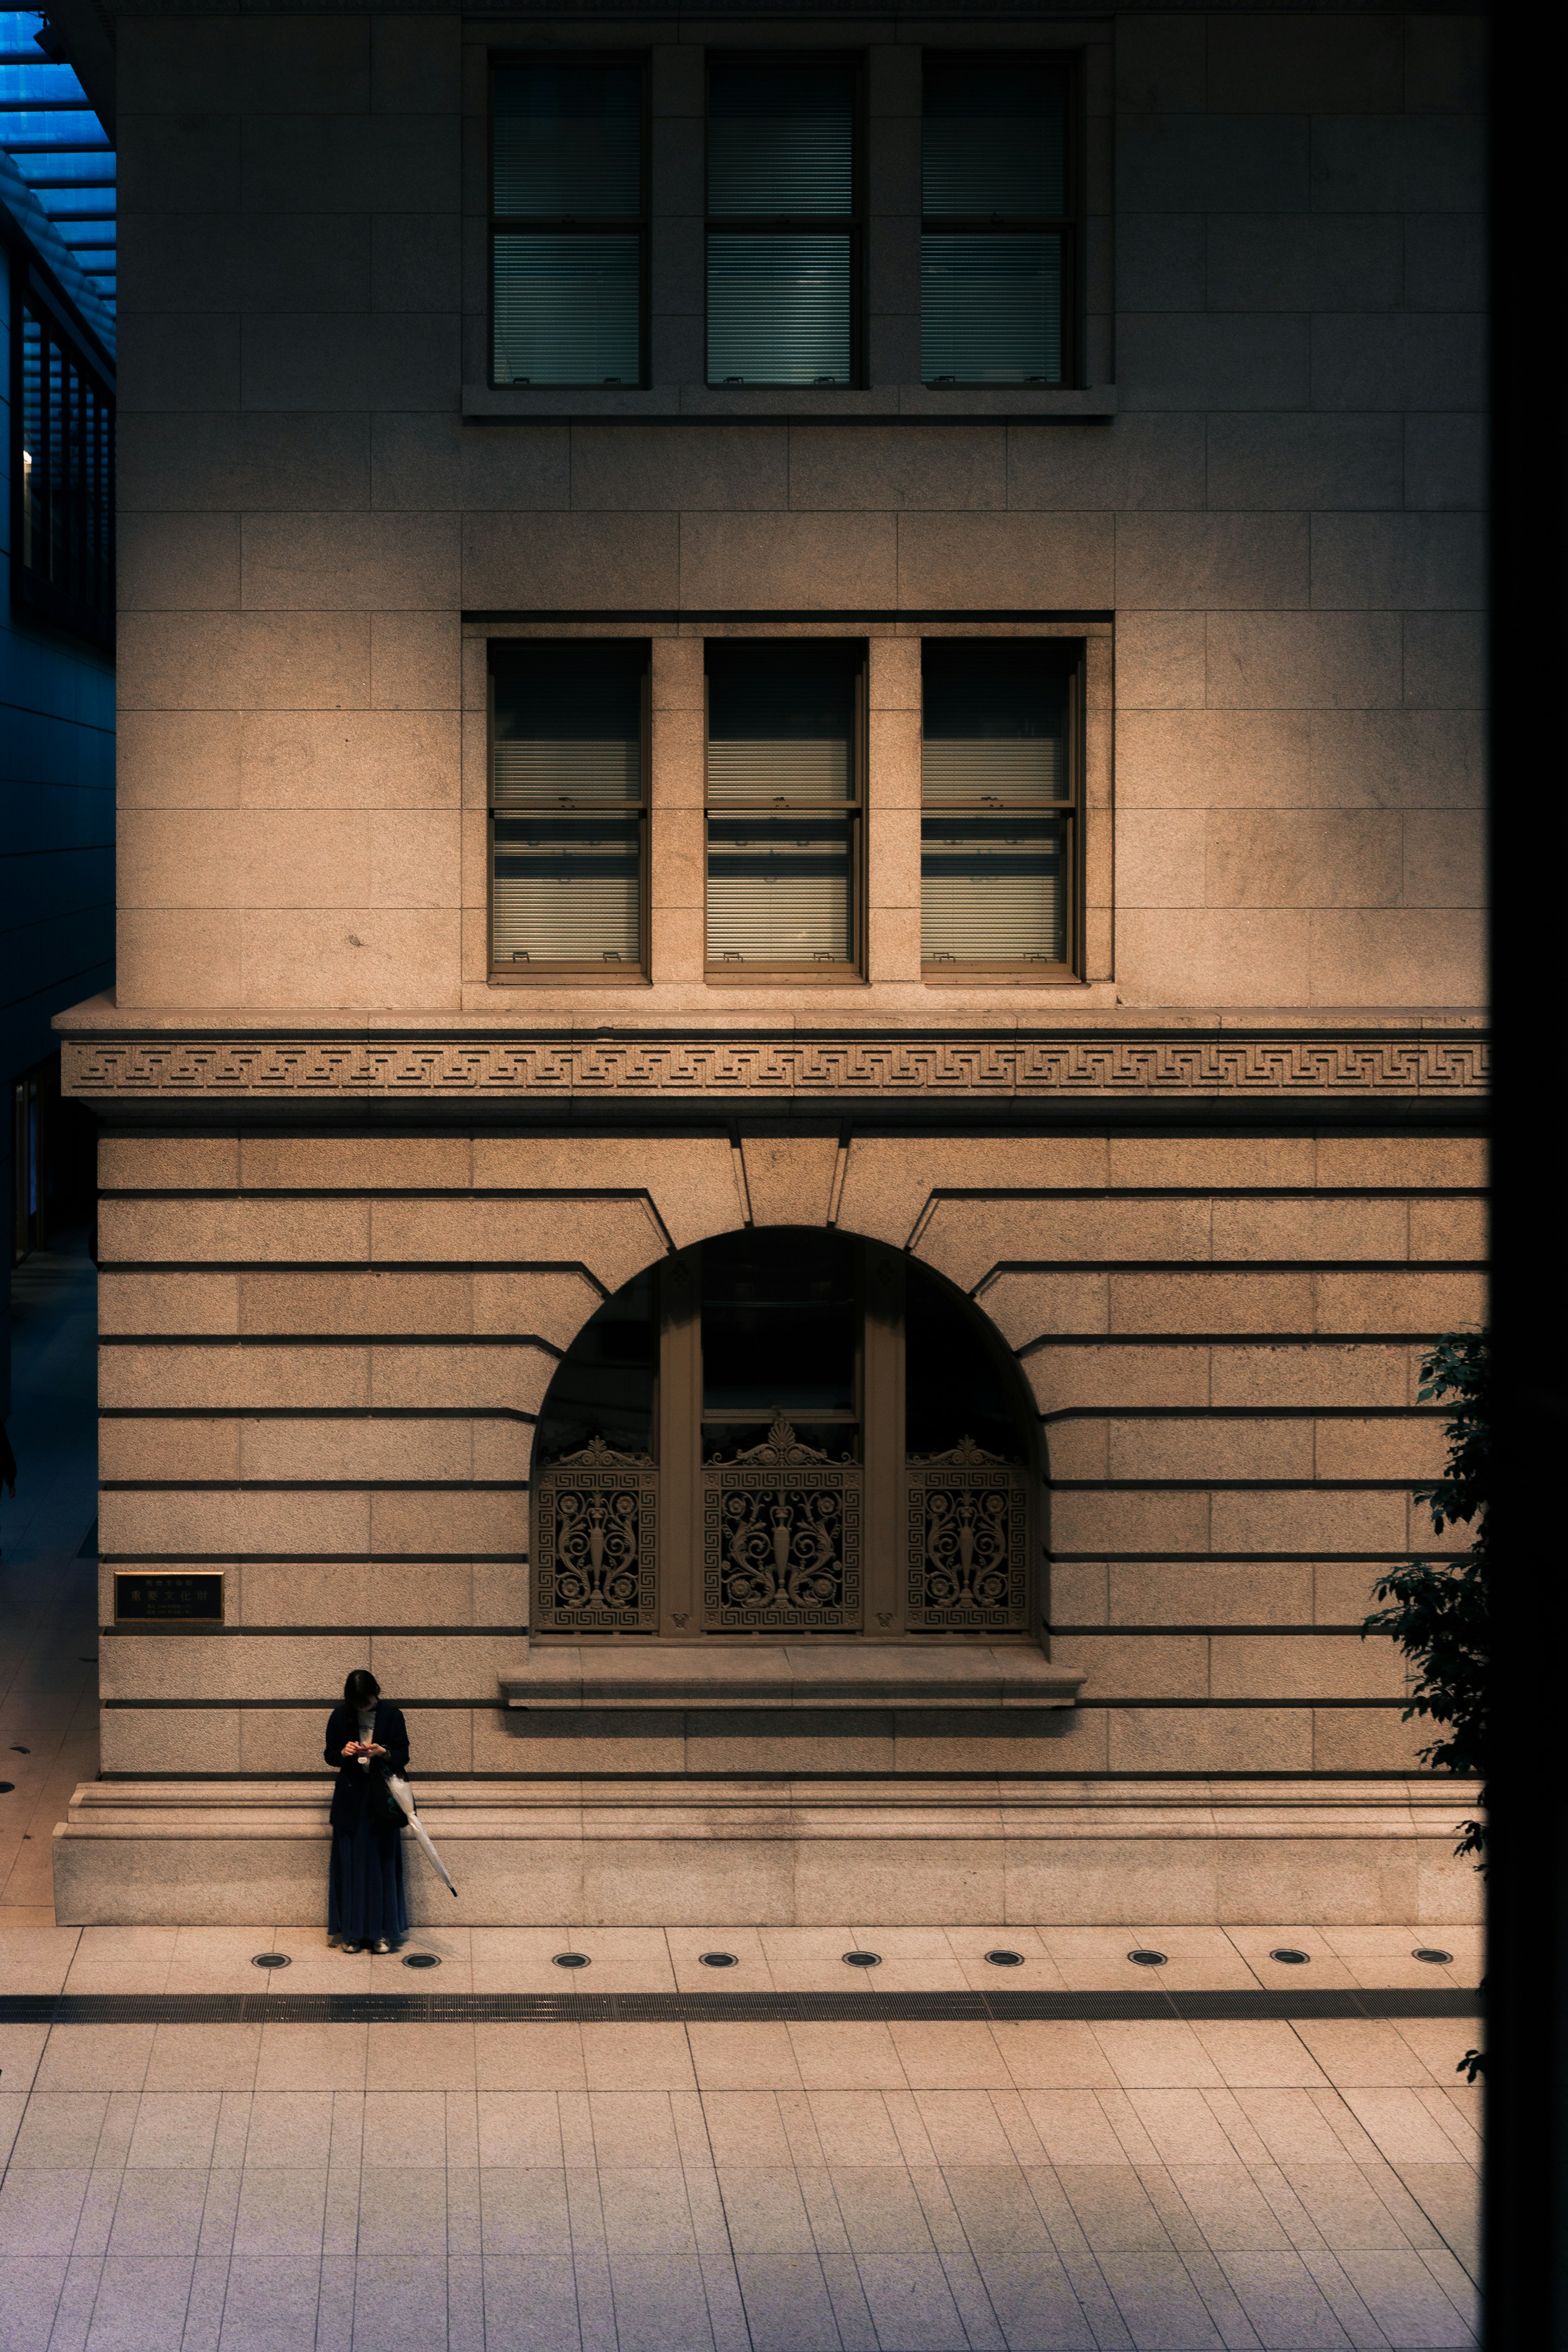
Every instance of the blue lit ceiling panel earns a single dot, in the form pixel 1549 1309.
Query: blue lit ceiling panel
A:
pixel 57 169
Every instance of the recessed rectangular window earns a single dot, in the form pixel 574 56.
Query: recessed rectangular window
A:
pixel 568 804
pixel 568 230
pixel 784 793
pixel 783 226
pixel 997 255
pixel 998 838
pixel 62 472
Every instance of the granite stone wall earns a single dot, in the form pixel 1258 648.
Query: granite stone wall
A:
pixel 1277 502
pixel 323 1356
pixel 329 1323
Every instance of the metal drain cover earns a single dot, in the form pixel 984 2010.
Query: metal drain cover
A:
pixel 1006 1959
pixel 1293 1959
pixel 719 1960
pixel 1430 1952
pixel 1147 1960
pixel 571 1960
pixel 862 1960
pixel 421 1960
pixel 270 1961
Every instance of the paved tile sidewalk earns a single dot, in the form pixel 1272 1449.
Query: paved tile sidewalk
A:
pixel 716 2187
pixel 669 2188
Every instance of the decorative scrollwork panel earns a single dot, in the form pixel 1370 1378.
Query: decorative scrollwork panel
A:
pixel 968 1542
pixel 596 1540
pixel 781 1540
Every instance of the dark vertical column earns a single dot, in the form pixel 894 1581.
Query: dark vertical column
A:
pixel 679 1443
pixel 1527 2192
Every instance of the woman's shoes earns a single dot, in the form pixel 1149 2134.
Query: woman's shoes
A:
pixel 381 1945
pixel 350 1947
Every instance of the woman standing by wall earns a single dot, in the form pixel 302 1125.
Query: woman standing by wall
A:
pixel 366 1739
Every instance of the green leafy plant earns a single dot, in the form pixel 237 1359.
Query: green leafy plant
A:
pixel 1439 1611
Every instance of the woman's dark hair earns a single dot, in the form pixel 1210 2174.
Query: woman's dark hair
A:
pixel 362 1689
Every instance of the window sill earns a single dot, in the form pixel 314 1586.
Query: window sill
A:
pixel 504 976
pixel 997 976
pixel 817 1674
pixel 782 405
pixel 839 975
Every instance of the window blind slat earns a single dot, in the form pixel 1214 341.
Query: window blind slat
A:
pixel 778 892
pixel 781 720
pixel 567 771
pixel 780 141
pixel 568 143
pixel 1018 771
pixel 778 310
pixel 566 889
pixel 567 308
pixel 991 309
pixel 994 143
pixel 565 892
pixel 792 770
pixel 993 891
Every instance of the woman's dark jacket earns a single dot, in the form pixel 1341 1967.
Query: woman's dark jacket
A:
pixel 353 1785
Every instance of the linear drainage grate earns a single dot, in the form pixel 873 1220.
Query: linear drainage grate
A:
pixel 716 2007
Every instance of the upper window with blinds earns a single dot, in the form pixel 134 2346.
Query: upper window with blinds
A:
pixel 568 223
pixel 998 254
pixel 568 808
pixel 784 727
pixel 999 806
pixel 783 252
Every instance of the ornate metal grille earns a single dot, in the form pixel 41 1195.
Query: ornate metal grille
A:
pixel 968 1551
pixel 597 1524
pixel 781 1539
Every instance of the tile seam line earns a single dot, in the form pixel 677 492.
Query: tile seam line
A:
pixel 1106 2005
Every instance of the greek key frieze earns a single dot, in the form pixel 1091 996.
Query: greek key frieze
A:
pixel 1219 1064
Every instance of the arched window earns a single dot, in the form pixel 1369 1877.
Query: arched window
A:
pixel 785 1433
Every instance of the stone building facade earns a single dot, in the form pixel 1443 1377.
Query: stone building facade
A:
pixel 879 1426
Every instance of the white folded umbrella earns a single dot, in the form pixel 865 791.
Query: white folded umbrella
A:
pixel 404 1796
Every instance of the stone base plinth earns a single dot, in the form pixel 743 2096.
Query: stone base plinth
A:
pixel 535 1852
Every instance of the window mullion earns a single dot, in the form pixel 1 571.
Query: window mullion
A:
pixel 885 1504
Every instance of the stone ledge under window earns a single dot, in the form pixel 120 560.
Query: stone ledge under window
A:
pixel 789 1674
pixel 671 404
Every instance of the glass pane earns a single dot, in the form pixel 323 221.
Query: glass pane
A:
pixel 568 309
pixel 566 891
pixel 568 722
pixel 778 1325
pixel 953 1389
pixel 568 143
pixel 803 768
pixel 778 890
pixel 993 890
pixel 59 503
pixel 996 723
pixel 605 1387
pixel 781 720
pixel 991 309
pixel 780 141
pixel 32 441
pixel 778 310
pixel 994 140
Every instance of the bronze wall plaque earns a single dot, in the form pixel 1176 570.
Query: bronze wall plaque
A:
pixel 167 1597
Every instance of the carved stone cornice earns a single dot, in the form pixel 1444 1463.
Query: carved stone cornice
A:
pixel 1223 1064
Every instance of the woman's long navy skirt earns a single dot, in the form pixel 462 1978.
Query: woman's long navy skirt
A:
pixel 364 1895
